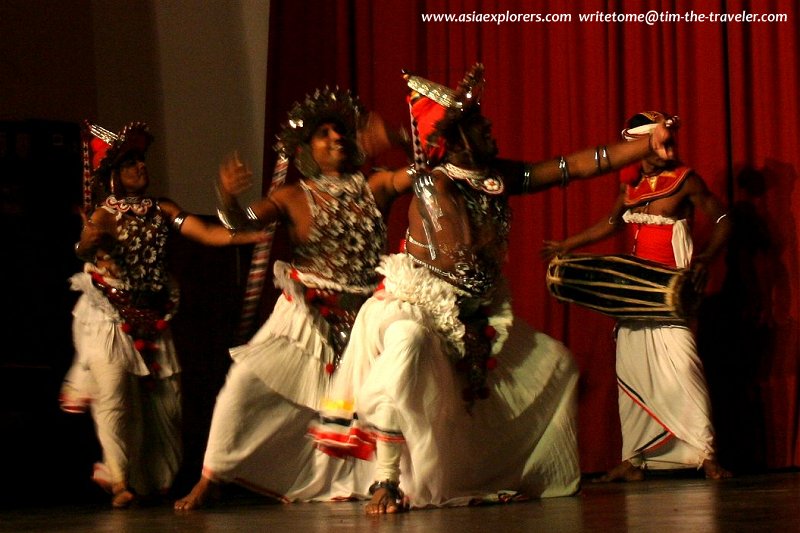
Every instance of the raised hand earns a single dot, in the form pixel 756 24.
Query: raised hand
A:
pixel 662 141
pixel 234 176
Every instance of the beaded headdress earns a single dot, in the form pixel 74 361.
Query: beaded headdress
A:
pixel 467 94
pixel 324 105
pixel 103 150
pixel 433 106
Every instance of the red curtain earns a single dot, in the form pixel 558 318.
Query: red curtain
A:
pixel 555 87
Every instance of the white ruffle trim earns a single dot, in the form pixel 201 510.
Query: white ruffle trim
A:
pixel 287 368
pixel 405 281
pixel 97 334
pixel 290 352
pixel 416 285
pixel 646 218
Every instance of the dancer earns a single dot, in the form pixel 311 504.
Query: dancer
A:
pixel 126 371
pixel 460 400
pixel 334 216
pixel 664 406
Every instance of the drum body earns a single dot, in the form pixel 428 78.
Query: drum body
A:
pixel 623 286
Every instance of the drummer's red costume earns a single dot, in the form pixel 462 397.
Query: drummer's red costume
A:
pixel 664 407
pixel 663 400
pixel 654 241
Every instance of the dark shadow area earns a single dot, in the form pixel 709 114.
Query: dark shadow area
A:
pixel 738 327
pixel 40 191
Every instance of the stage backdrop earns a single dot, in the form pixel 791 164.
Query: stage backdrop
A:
pixel 555 87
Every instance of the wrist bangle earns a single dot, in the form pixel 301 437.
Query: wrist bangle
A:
pixel 563 169
pixel 601 160
pixel 526 177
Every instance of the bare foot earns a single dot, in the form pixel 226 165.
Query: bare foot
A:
pixel 624 471
pixel 122 497
pixel 203 494
pixel 714 470
pixel 385 501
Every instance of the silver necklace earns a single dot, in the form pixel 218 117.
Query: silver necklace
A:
pixel 135 204
pixel 333 185
pixel 481 180
pixel 463 173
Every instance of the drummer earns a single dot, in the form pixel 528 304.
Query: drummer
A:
pixel 664 405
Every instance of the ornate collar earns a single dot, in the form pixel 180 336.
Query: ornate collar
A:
pixel 135 204
pixel 333 185
pixel 653 187
pixel 487 180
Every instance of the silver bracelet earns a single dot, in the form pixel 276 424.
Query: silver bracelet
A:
pixel 564 169
pixel 83 256
pixel 601 155
pixel 252 217
pixel 231 215
pixel 526 177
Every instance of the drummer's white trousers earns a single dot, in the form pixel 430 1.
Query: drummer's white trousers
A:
pixel 664 407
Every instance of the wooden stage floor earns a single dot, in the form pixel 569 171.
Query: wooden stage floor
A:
pixel 763 502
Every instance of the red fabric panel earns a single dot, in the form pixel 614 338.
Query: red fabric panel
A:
pixel 654 243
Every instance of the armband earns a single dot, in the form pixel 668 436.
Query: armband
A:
pixel 564 169
pixel 178 221
pixel 429 208
pixel 601 160
pixel 527 173
pixel 83 256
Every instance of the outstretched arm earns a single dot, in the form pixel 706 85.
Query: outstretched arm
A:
pixel 205 232
pixel 602 229
pixel 598 160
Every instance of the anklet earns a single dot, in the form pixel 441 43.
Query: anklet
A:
pixel 392 488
